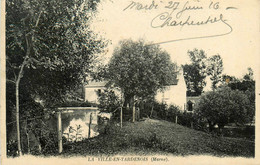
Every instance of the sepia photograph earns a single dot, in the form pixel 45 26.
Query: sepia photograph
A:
pixel 130 81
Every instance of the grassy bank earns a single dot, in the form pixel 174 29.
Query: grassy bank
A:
pixel 159 137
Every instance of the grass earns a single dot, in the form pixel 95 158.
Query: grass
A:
pixel 151 137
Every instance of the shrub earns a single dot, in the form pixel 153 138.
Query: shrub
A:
pixel 173 111
pixel 108 100
pixel 160 110
pixel 223 106
pixel 185 119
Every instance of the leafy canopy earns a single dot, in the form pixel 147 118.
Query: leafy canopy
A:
pixel 195 73
pixel 49 50
pixel 224 106
pixel 61 46
pixel 140 69
pixel 245 85
pixel 214 69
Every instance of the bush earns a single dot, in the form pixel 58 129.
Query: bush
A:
pixel 185 119
pixel 12 148
pixel 160 110
pixel 108 100
pixel 223 106
pixel 169 113
pixel 173 111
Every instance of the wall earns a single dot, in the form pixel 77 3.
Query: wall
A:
pixel 174 94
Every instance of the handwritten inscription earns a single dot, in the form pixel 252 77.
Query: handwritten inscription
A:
pixel 181 14
pixel 166 20
pixel 186 7
pixel 140 6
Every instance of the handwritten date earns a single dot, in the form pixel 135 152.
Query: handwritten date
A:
pixel 181 13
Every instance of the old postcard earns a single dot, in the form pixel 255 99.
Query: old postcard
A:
pixel 130 82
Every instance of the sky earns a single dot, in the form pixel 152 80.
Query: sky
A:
pixel 234 36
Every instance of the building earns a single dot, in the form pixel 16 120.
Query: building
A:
pixel 174 94
pixel 92 89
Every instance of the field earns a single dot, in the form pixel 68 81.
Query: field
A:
pixel 152 136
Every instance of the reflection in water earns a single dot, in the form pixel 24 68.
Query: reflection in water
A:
pixel 79 124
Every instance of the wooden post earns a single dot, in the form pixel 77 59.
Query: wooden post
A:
pixel 137 113
pixel 151 114
pixel 133 109
pixel 176 119
pixel 121 117
pixel 191 121
pixel 59 131
pixel 90 122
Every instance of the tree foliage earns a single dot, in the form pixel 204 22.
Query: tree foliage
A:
pixel 224 106
pixel 140 69
pixel 195 73
pixel 245 85
pixel 60 43
pixel 214 70
pixel 49 50
pixel 108 100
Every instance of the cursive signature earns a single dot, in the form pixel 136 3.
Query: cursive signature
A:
pixel 173 17
pixel 167 21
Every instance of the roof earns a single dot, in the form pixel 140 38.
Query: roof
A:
pixel 193 99
pixel 92 84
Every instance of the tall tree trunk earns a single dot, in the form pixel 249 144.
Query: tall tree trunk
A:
pixel 28 39
pixel 17 84
pixel 17 119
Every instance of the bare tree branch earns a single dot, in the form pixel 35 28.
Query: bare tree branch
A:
pixel 11 81
pixel 38 19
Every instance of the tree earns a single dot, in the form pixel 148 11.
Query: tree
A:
pixel 49 48
pixel 215 69
pixel 140 69
pixel 250 75
pixel 245 85
pixel 227 79
pixel 223 106
pixel 195 73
